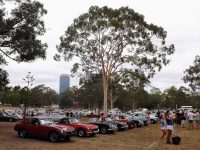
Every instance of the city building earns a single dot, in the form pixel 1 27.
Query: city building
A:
pixel 64 83
pixel 93 77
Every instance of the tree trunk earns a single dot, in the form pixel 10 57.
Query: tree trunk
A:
pixel 105 91
pixel 111 100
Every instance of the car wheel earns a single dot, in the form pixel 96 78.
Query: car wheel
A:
pixel 103 130
pixel 22 133
pixel 53 137
pixel 152 121
pixel 117 128
pixel 67 138
pixel 81 132
pixel 10 120
pixel 136 124
pixel 93 134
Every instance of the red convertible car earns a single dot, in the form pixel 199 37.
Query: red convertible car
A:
pixel 44 128
pixel 81 128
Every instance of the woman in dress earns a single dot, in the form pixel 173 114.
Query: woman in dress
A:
pixel 163 126
pixel 169 121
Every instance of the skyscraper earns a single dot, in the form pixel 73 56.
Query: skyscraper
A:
pixel 64 83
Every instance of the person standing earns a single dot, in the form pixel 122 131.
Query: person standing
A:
pixel 148 118
pixel 102 118
pixel 169 121
pixel 183 118
pixel 92 115
pixel 163 126
pixel 178 119
pixel 196 118
pixel 190 120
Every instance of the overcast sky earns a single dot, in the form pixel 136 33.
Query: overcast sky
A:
pixel 180 18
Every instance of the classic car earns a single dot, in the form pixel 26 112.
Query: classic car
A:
pixel 6 117
pixel 44 128
pixel 153 118
pixel 136 121
pixel 120 125
pixel 120 118
pixel 104 127
pixel 140 116
pixel 81 128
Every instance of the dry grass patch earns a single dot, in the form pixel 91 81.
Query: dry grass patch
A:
pixel 132 139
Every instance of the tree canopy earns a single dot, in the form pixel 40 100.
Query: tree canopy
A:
pixel 19 31
pixel 3 79
pixel 114 41
pixel 192 74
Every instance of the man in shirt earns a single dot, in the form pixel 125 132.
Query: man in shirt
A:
pixel 190 119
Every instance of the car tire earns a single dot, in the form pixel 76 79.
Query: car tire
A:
pixel 93 134
pixel 81 132
pixel 136 124
pixel 67 139
pixel 103 130
pixel 117 128
pixel 11 120
pixel 53 137
pixel 22 133
pixel 130 126
pixel 152 121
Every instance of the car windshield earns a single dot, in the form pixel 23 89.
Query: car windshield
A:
pixel 46 122
pixel 73 120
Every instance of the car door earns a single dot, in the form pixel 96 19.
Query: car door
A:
pixel 39 129
pixel 29 126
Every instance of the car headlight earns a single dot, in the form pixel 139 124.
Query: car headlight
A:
pixel 61 131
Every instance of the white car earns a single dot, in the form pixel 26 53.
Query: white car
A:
pixel 114 111
pixel 153 118
pixel 86 112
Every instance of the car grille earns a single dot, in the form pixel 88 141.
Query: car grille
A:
pixel 95 130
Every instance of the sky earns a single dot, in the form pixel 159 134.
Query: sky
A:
pixel 180 18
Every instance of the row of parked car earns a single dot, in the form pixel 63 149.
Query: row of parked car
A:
pixel 66 127
pixel 57 126
pixel 5 116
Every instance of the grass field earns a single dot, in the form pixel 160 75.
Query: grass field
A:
pixel 132 139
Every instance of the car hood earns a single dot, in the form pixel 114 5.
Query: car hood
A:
pixel 77 125
pixel 91 126
pixel 65 128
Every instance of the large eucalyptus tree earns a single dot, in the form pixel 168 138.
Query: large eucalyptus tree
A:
pixel 113 41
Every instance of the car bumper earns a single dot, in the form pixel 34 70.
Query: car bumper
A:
pixel 124 127
pixel 66 134
pixel 113 129
pixel 93 131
